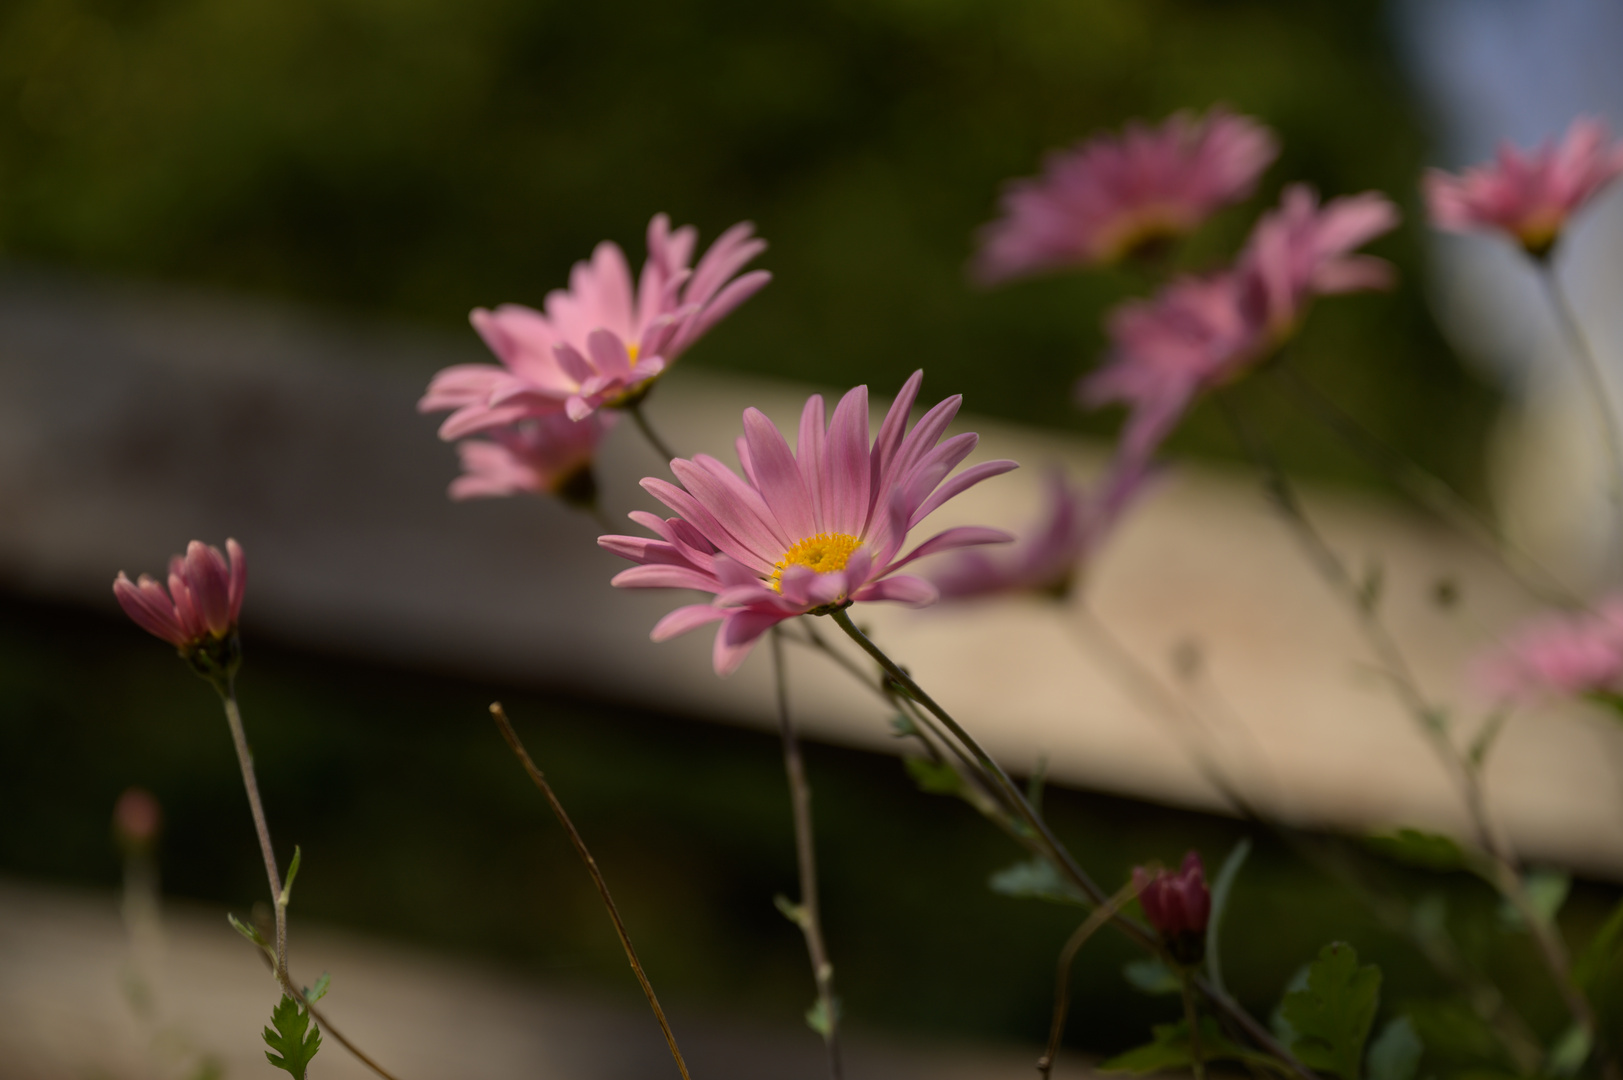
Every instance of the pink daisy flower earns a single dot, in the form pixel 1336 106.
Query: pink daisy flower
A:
pixel 603 339
pixel 1047 558
pixel 1113 194
pixel 1528 196
pixel 1195 334
pixel 203 601
pixel 1198 333
pixel 545 455
pixel 804 531
pixel 1558 656
pixel 1302 250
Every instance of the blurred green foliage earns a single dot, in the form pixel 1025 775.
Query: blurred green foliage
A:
pixel 421 157
pixel 415 822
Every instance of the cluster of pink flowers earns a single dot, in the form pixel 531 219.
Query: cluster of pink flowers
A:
pixel 1200 332
pixel 1111 195
pixel 807 530
pixel 598 344
pixel 1528 196
pixel 1559 656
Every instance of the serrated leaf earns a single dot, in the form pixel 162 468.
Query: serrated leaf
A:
pixel 1395 1053
pixel 1433 851
pixel 1601 951
pixel 934 777
pixel 1333 1014
pixel 1035 879
pixel 293 1037
pixel 315 993
pixel 1220 902
pixel 1151 976
pixel 1570 1052
pixel 1546 891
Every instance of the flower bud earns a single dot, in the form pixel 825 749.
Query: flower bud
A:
pixel 1178 905
pixel 198 613
pixel 137 819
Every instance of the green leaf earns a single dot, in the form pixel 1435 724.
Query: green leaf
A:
pixel 1035 879
pixel 315 993
pixel 1332 1016
pixel 1151 976
pixel 934 777
pixel 287 1037
pixel 247 931
pixel 1601 951
pixel 1546 891
pixel 1395 1053
pixel 292 872
pixel 1282 1027
pixel 1570 1052
pixel 790 910
pixel 902 726
pixel 1171 1050
pixel 1220 903
pixel 1430 850
pixel 817 1017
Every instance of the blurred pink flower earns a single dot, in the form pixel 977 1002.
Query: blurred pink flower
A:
pixel 1555 656
pixel 137 818
pixel 203 601
pixel 600 341
pixel 546 455
pixel 1048 557
pixel 1528 196
pixel 806 531
pixel 1178 905
pixel 1195 334
pixel 1198 333
pixel 1302 250
pixel 1111 194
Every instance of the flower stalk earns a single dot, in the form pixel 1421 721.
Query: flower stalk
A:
pixel 540 781
pixel 807 913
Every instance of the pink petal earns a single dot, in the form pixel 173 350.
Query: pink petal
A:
pixel 684 619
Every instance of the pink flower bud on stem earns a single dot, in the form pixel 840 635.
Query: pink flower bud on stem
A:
pixel 1178 905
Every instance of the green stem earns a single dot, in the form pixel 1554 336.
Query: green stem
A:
pixel 647 429
pixel 1599 393
pixel 810 918
pixel 1195 1053
pixel 245 759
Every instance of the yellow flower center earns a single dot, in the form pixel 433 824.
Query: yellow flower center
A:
pixel 631 351
pixel 824 552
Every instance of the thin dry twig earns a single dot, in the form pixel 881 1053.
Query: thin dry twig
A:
pixel 523 756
